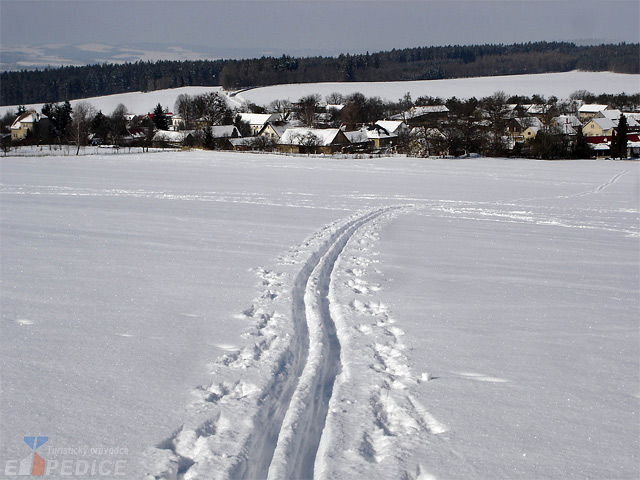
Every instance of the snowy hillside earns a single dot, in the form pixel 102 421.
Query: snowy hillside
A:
pixel 559 84
pixel 223 315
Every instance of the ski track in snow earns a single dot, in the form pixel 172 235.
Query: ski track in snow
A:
pixel 239 428
pixel 283 405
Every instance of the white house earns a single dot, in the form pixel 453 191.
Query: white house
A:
pixel 258 120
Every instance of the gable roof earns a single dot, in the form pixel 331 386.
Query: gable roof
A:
pixel 259 118
pixel 377 131
pixel 278 127
pixel 27 117
pixel 526 122
pixel 592 108
pixel 392 126
pixel 419 111
pixel 326 136
pixel 603 123
pixel 357 136
pixel 571 120
pixel 614 116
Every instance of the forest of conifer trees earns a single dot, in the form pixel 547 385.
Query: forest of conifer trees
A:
pixel 423 63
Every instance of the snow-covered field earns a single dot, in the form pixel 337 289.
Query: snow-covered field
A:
pixel 559 84
pixel 218 315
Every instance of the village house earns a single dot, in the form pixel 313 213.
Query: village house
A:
pixel 274 130
pixel 359 141
pixel 566 125
pixel 177 123
pixel 257 121
pixel 394 127
pixel 536 110
pixel 429 115
pixel 27 123
pixel 587 111
pixel 521 128
pixel 379 137
pixel 614 116
pixel 242 144
pixel 530 133
pixel 312 140
pixel 222 134
pixel 599 127
pixel 172 138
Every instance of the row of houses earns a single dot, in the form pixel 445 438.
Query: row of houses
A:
pixel 282 132
pixel 290 138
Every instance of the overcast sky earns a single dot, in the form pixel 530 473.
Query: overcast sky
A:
pixel 347 26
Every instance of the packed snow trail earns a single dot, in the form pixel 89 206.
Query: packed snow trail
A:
pixel 269 421
pixel 286 445
pixel 304 422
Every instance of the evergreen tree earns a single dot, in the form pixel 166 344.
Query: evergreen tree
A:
pixel 619 148
pixel 581 148
pixel 100 126
pixel 60 116
pixel 159 118
pixel 243 127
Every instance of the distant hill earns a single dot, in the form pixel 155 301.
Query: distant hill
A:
pixel 423 63
pixel 560 85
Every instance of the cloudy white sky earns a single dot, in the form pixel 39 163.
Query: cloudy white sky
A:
pixel 319 27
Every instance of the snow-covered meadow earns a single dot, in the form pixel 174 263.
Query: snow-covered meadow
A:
pixel 228 315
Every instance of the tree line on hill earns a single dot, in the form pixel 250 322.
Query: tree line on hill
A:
pixel 422 63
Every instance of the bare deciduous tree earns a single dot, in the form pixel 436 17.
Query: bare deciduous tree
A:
pixel 81 117
pixel 306 110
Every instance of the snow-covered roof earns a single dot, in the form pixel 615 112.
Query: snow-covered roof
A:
pixel 377 131
pixel 568 120
pixel 537 109
pixel 278 127
pixel 592 108
pixel 357 136
pixel 27 117
pixel 614 116
pixel 392 126
pixel 604 123
pixel 242 141
pixel 220 131
pixel 427 109
pixel 259 118
pixel 419 111
pixel 171 135
pixel 334 106
pixel 526 122
pixel 296 136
